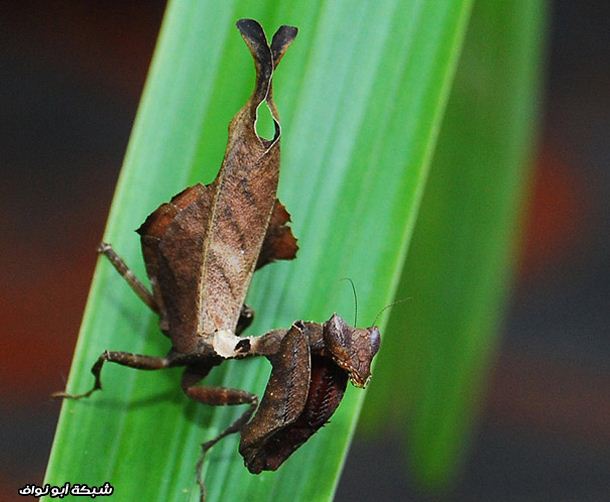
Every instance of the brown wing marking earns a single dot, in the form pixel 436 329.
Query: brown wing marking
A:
pixel 172 242
pixel 245 197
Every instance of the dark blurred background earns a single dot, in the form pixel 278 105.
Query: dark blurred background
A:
pixel 72 73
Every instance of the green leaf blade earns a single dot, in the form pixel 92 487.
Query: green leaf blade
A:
pixel 354 163
pixel 457 275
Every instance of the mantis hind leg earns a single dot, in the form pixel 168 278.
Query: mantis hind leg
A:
pixel 134 283
pixel 246 315
pixel 216 396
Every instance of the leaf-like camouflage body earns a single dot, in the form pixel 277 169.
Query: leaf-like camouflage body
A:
pixel 202 248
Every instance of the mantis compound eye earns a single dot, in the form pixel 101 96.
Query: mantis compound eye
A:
pixel 352 349
pixel 374 339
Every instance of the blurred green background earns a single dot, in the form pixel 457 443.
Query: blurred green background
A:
pixel 73 78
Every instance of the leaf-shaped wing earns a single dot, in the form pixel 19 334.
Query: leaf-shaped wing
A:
pixel 172 238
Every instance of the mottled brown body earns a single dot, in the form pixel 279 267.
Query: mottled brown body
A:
pixel 200 250
pixel 202 247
